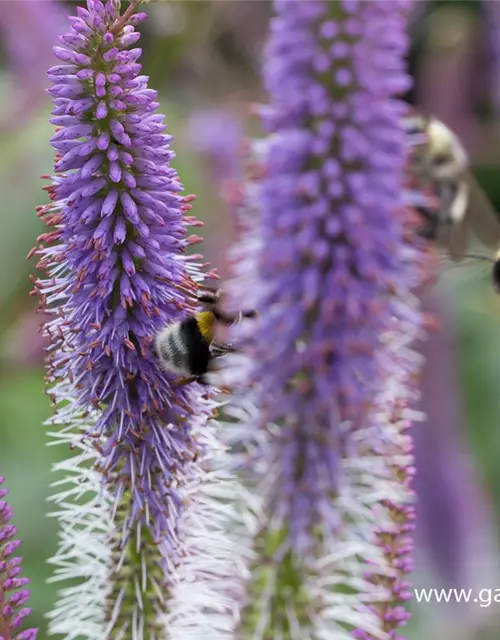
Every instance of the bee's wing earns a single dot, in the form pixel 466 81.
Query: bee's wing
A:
pixel 454 237
pixel 481 216
pixel 468 260
pixel 453 231
pixel 471 267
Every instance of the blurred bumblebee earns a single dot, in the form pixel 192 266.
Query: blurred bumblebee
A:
pixel 189 347
pixel 441 166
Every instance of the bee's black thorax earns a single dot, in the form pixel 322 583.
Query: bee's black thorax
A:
pixel 495 274
pixel 197 346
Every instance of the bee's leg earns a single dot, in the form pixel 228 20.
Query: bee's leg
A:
pixel 218 349
pixel 200 380
pixel 180 382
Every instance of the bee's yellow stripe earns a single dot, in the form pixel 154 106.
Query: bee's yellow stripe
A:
pixel 206 321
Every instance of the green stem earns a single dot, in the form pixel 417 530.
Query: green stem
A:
pixel 122 21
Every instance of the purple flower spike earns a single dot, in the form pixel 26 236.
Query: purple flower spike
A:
pixel 13 595
pixel 328 262
pixel 117 272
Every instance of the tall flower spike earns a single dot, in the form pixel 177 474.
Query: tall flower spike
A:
pixel 117 272
pixel 13 595
pixel 326 263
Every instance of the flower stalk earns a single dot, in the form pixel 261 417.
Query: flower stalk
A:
pixel 116 272
pixel 328 260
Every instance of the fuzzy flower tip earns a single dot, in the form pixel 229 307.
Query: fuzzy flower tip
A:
pixel 13 595
pixel 327 264
pixel 117 272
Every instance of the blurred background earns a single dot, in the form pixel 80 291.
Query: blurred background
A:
pixel 204 58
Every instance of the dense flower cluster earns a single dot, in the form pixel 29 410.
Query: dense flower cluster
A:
pixel 326 264
pixel 324 256
pixel 116 272
pixel 13 595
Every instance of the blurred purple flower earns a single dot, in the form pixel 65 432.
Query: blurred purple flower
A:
pixel 440 480
pixel 24 344
pixel 217 134
pixel 28 29
pixel 454 518
pixel 326 265
pixel 329 234
pixel 116 272
pixel 13 595
pixel 493 30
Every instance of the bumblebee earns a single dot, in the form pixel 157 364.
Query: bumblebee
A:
pixel 188 347
pixel 440 165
